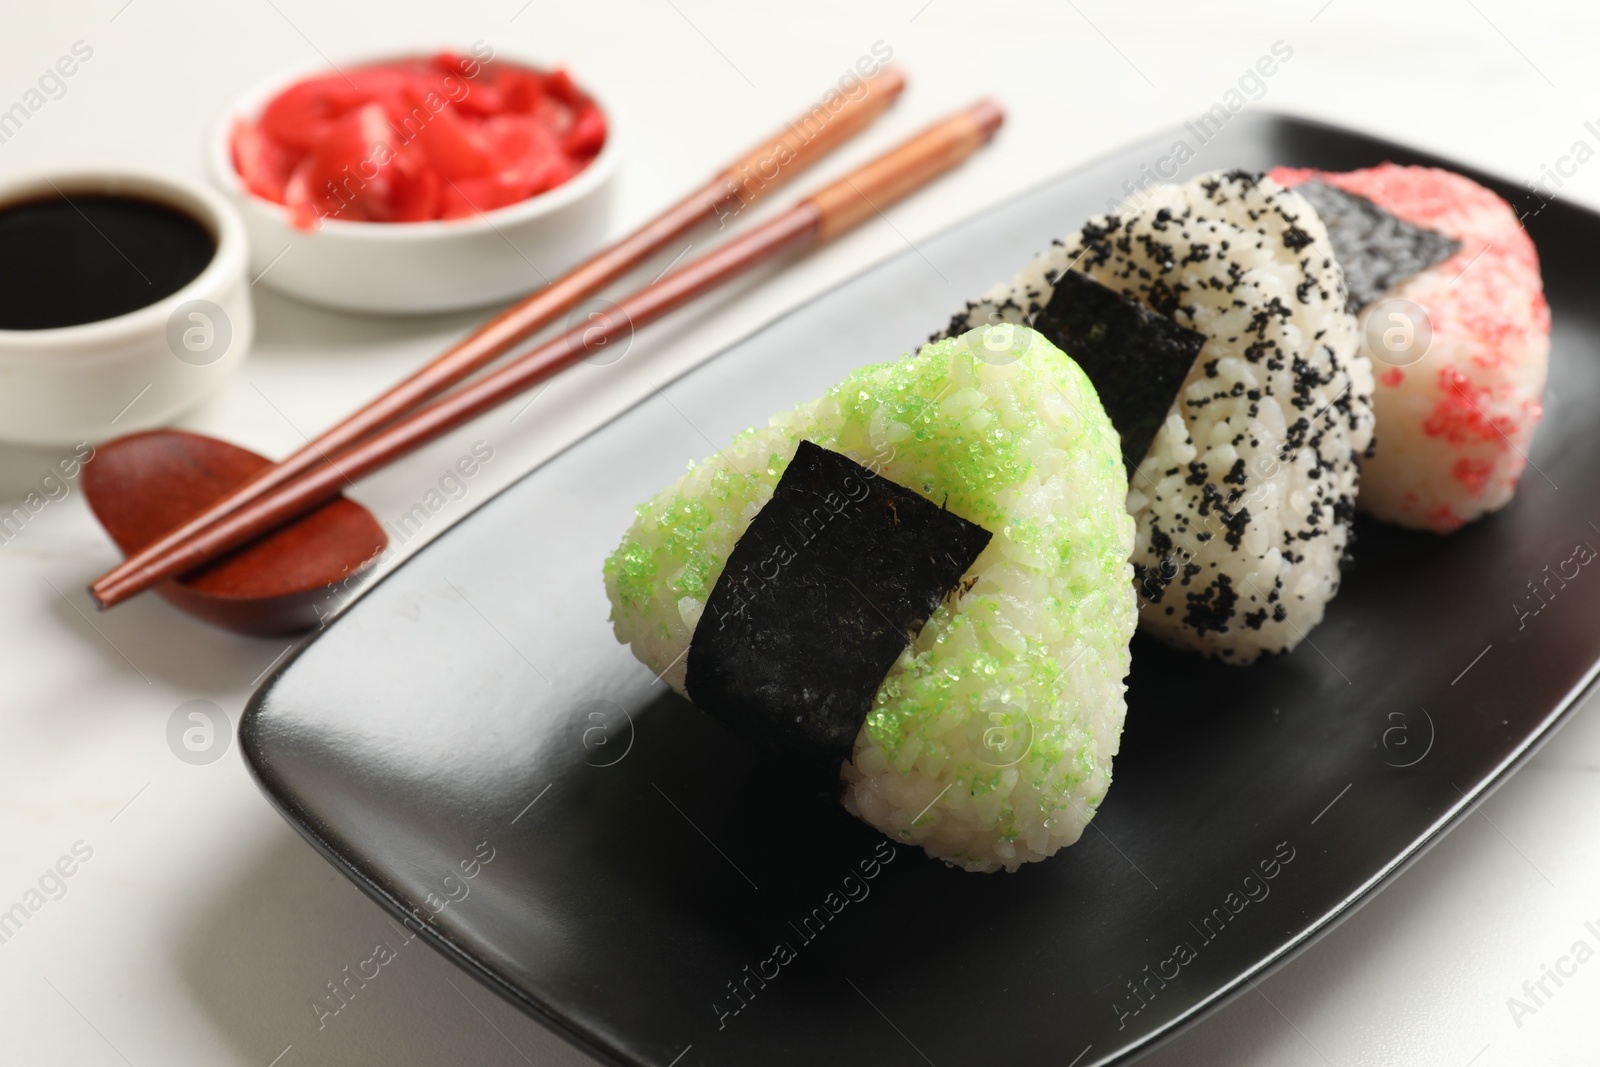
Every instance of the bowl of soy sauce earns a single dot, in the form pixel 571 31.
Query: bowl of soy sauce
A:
pixel 123 301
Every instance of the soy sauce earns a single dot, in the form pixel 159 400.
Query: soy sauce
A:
pixel 81 257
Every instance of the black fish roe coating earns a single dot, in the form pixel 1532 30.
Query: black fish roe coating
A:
pixel 820 595
pixel 1189 555
pixel 1136 359
pixel 1212 607
pixel 1150 256
pixel 1377 250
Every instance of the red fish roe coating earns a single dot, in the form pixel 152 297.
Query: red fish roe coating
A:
pixel 1455 426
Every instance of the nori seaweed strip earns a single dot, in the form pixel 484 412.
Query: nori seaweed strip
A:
pixel 1136 358
pixel 1377 250
pixel 820 595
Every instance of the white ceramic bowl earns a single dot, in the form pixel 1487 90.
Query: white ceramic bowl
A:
pixel 415 267
pixel 129 372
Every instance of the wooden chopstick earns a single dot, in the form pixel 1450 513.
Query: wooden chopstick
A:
pixel 815 219
pixel 772 163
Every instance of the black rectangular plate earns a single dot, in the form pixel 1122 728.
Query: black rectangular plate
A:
pixel 660 858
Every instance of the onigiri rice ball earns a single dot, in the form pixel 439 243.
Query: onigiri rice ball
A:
pixel 990 741
pixel 1245 498
pixel 1457 407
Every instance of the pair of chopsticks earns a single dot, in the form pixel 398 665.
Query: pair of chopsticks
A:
pixel 413 413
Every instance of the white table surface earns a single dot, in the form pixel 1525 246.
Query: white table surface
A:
pixel 201 925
